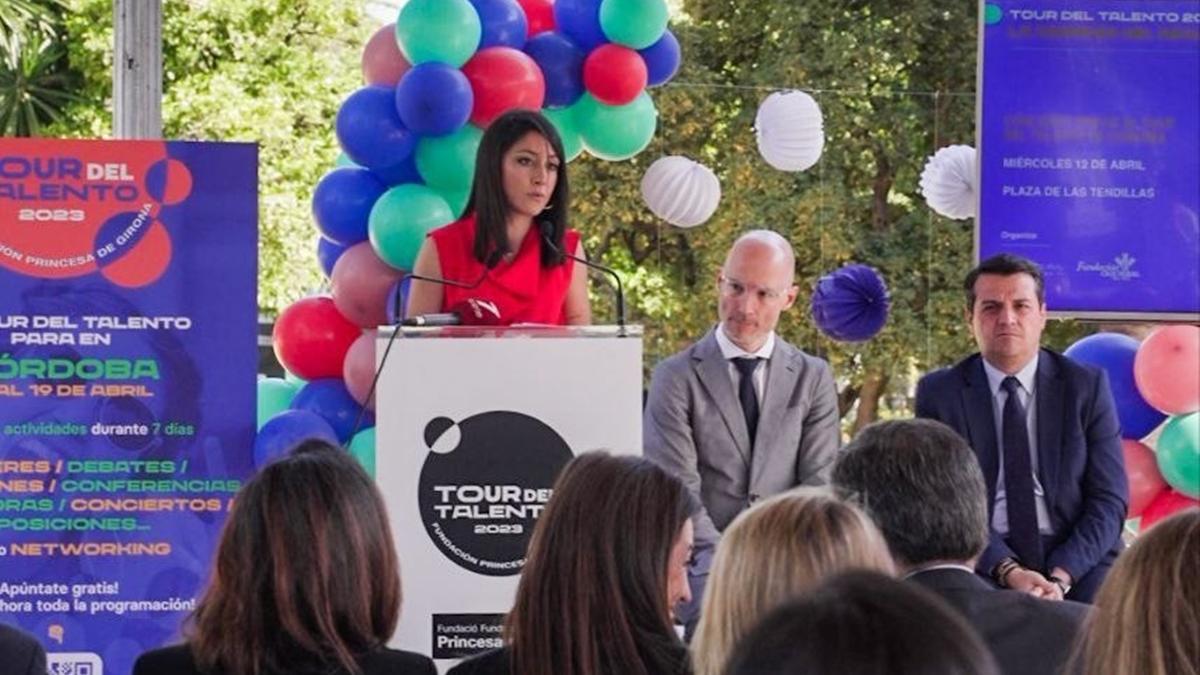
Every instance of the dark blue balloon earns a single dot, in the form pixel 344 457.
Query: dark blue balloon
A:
pixel 434 99
pixel 398 300
pixel 1114 353
pixel 504 23
pixel 404 171
pixel 851 304
pixel 662 59
pixel 562 66
pixel 329 398
pixel 342 203
pixel 285 431
pixel 580 21
pixel 370 131
pixel 327 254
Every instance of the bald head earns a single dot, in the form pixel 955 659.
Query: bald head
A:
pixel 756 285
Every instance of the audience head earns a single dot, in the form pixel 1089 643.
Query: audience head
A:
pixel 863 623
pixel 756 284
pixel 1147 617
pixel 922 485
pixel 305 574
pixel 606 562
pixel 1006 307
pixel 774 551
pixel 520 171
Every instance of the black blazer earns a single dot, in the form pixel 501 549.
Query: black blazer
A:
pixel 1027 636
pixel 494 662
pixel 20 654
pixel 178 660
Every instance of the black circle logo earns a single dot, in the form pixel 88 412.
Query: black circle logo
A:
pixel 484 484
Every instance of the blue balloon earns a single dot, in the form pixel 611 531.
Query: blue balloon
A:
pixel 562 66
pixel 329 398
pixel 370 131
pixel 398 300
pixel 662 59
pixel 580 21
pixel 1114 353
pixel 504 23
pixel 342 202
pixel 327 254
pixel 403 172
pixel 434 99
pixel 285 431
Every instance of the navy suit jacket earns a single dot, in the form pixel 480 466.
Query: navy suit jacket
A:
pixel 1080 464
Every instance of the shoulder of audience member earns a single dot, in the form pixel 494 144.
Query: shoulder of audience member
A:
pixel 397 662
pixel 174 659
pixel 495 662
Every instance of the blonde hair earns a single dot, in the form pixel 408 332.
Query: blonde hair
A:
pixel 1147 618
pixel 772 552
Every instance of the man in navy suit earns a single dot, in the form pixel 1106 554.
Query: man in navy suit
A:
pixel 1046 434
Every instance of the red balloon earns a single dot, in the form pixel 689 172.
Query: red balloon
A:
pixel 359 369
pixel 1167 369
pixel 360 284
pixel 1145 480
pixel 382 62
pixel 311 338
pixel 615 75
pixel 539 14
pixel 503 78
pixel 1165 505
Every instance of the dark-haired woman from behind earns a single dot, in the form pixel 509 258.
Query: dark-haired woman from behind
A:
pixel 606 562
pixel 305 582
pixel 519 200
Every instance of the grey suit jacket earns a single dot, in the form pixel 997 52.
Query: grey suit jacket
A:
pixel 693 426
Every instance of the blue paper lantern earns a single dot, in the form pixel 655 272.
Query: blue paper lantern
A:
pixel 851 304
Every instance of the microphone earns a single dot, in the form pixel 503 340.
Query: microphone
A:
pixel 546 229
pixel 469 312
pixel 452 318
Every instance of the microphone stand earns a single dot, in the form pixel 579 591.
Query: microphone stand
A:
pixel 546 229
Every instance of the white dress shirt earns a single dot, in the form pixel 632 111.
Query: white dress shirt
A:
pixel 731 351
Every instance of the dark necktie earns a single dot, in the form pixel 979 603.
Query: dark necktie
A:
pixel 1023 535
pixel 746 393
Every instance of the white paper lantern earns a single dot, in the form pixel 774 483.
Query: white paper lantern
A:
pixel 680 191
pixel 948 182
pixel 790 131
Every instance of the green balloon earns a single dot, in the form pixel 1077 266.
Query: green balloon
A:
pixel 616 132
pixel 448 162
pixel 343 160
pixel 564 123
pixel 637 24
pixel 362 448
pixel 294 379
pixel 438 30
pixel 457 199
pixel 1178 451
pixel 401 218
pixel 274 396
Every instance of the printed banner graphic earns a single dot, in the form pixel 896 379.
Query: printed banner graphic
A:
pixel 127 368
pixel 1089 144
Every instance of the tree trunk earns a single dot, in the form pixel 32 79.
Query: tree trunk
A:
pixel 872 388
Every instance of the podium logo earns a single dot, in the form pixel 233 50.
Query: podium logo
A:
pixel 484 484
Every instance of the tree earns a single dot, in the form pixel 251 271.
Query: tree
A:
pixel 36 82
pixel 268 71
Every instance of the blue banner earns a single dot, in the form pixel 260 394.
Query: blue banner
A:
pixel 1089 141
pixel 127 384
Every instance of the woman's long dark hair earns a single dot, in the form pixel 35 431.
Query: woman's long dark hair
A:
pixel 593 595
pixel 488 201
pixel 306 577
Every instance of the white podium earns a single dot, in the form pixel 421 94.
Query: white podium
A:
pixel 473 425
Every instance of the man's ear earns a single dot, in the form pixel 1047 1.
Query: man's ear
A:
pixel 791 296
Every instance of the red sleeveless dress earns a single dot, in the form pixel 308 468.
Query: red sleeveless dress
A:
pixel 523 290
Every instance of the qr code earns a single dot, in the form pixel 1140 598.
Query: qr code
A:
pixel 77 663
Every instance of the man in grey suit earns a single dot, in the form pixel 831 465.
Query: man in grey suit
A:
pixel 742 414
pixel 921 484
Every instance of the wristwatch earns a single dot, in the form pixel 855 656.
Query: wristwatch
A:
pixel 1061 583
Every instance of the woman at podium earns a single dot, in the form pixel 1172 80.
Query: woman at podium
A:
pixel 509 250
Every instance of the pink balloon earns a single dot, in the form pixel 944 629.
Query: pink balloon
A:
pixel 1165 505
pixel 359 369
pixel 382 62
pixel 1145 480
pixel 360 283
pixel 1167 369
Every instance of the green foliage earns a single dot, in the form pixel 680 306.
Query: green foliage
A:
pixel 267 71
pixel 35 80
